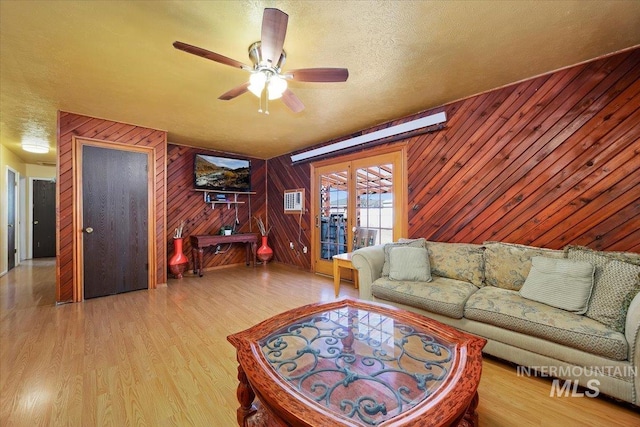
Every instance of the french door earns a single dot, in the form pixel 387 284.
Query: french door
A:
pixel 357 202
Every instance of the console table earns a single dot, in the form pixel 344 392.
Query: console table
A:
pixel 199 242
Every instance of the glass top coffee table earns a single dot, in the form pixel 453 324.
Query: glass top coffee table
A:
pixel 356 363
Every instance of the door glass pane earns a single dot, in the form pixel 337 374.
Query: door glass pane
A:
pixel 333 214
pixel 374 206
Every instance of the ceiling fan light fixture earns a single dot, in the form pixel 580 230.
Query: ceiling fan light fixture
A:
pixel 277 86
pixel 268 57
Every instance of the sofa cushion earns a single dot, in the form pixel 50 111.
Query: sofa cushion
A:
pixel 460 261
pixel 414 243
pixel 616 283
pixel 507 309
pixel 442 295
pixel 507 265
pixel 407 263
pixel 561 283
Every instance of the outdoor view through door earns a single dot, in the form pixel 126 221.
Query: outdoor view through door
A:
pixel 359 203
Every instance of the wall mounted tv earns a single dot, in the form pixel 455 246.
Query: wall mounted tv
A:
pixel 221 173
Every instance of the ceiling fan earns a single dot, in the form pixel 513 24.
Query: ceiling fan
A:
pixel 268 57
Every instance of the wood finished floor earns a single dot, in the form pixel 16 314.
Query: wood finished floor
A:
pixel 160 358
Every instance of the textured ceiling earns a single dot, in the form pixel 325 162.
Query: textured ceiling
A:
pixel 114 60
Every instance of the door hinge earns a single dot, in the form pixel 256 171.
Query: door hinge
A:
pixel 146 266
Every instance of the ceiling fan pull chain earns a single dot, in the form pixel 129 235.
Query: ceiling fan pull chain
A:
pixel 266 102
pixel 260 104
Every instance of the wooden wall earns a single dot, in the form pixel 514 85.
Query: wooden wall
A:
pixel 289 227
pixel 185 204
pixel 547 162
pixel 70 125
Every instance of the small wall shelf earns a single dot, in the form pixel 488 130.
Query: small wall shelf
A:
pixel 217 200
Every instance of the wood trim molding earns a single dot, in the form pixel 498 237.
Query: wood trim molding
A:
pixel 77 144
pixel 396 154
pixel 371 152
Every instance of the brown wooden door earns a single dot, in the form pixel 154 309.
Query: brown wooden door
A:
pixel 44 218
pixel 114 211
pixel 11 219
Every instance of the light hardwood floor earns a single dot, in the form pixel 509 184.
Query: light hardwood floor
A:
pixel 160 358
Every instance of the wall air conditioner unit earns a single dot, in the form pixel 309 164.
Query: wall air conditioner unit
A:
pixel 294 201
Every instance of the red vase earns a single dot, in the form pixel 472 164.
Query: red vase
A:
pixel 178 261
pixel 264 252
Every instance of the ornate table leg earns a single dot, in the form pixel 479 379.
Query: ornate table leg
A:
pixel 254 248
pixel 194 255
pixel 470 418
pixel 347 341
pixel 200 265
pixel 245 396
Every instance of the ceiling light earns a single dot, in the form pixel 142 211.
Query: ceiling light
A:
pixel 35 145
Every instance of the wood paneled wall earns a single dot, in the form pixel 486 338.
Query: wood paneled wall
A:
pixel 547 162
pixel 289 227
pixel 185 204
pixel 70 125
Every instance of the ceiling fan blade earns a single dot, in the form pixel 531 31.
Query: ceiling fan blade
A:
pixel 292 101
pixel 319 75
pixel 236 91
pixel 274 29
pixel 194 50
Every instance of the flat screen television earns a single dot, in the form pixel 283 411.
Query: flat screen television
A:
pixel 216 173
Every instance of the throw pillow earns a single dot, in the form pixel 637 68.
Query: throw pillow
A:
pixel 617 285
pixel 560 283
pixel 408 263
pixel 574 251
pixel 598 259
pixel 417 243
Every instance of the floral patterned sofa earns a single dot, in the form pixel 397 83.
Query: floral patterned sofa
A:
pixel 476 288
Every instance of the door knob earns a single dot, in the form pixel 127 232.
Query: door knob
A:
pixel 88 230
pixel 35 222
pixel 10 225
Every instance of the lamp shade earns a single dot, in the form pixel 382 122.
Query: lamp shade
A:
pixel 256 83
pixel 277 86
